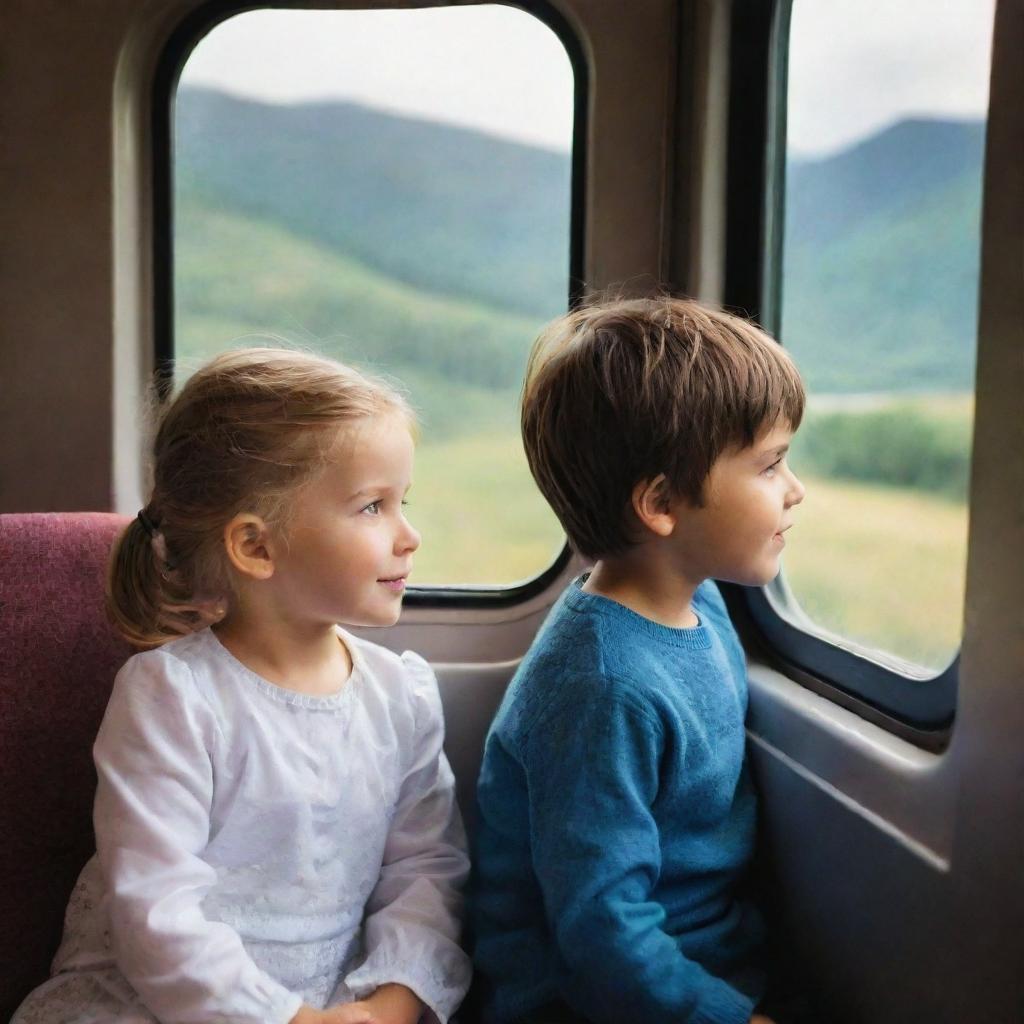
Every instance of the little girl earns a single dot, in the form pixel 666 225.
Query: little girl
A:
pixel 276 830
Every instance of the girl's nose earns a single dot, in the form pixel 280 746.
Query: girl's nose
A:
pixel 408 539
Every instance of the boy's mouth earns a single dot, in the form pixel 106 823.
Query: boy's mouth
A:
pixel 395 583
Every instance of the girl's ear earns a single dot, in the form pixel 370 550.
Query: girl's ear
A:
pixel 653 507
pixel 249 546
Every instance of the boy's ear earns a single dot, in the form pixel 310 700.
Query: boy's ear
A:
pixel 652 505
pixel 249 546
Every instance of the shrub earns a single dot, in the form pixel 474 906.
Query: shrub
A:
pixel 899 445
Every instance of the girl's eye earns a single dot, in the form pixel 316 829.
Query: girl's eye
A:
pixel 373 508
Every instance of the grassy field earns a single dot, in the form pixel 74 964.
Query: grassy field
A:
pixel 881 565
pixel 481 516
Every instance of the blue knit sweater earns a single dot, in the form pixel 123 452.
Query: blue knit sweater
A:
pixel 616 819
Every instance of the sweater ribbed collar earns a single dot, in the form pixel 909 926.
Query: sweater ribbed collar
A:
pixel 695 638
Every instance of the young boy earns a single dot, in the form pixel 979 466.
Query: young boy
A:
pixel 616 811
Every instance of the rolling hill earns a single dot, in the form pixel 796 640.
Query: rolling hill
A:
pixel 437 251
pixel 448 210
pixel 881 261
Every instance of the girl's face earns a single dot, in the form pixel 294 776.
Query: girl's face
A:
pixel 348 547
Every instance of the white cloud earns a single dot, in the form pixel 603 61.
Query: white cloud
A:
pixel 855 65
pixel 858 65
pixel 490 67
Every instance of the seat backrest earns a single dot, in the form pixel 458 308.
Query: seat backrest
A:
pixel 58 659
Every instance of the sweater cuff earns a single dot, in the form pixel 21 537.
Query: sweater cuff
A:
pixel 722 1004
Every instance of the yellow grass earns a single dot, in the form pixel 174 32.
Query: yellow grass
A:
pixel 481 516
pixel 880 565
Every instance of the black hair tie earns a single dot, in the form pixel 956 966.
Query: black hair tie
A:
pixel 147 524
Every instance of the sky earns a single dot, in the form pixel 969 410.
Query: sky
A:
pixel 855 66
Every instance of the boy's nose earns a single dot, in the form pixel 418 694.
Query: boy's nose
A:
pixel 796 491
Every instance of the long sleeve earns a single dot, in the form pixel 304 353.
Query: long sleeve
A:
pixel 412 922
pixel 593 776
pixel 152 818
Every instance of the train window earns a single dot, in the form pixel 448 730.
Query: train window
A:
pixel 393 188
pixel 875 282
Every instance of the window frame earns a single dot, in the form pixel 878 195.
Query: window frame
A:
pixel 919 707
pixel 173 57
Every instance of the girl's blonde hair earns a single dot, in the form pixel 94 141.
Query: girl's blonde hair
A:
pixel 244 433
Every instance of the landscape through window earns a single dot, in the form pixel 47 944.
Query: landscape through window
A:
pixel 886 122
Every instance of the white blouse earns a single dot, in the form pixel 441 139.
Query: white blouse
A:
pixel 258 847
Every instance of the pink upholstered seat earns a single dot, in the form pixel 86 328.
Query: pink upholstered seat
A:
pixel 58 658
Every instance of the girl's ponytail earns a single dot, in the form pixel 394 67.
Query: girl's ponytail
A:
pixel 147 598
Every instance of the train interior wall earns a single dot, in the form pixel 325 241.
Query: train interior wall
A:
pixel 898 868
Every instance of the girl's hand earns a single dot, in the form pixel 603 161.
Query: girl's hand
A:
pixel 349 1013
pixel 390 1004
pixel 760 1018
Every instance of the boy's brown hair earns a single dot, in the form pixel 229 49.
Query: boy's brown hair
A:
pixel 622 391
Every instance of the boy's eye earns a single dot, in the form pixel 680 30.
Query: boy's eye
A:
pixel 373 508
pixel 774 466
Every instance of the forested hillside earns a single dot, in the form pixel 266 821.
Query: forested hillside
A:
pixel 437 250
pixel 450 211
pixel 881 261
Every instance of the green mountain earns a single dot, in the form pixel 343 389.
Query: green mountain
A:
pixel 883 174
pixel 437 252
pixel 237 275
pixel 448 210
pixel 881 261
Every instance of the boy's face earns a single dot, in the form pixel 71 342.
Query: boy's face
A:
pixel 737 535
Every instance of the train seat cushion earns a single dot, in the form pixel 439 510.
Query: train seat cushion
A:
pixel 58 659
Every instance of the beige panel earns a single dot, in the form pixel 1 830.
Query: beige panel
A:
pixel 987 741
pixel 55 253
pixel 629 139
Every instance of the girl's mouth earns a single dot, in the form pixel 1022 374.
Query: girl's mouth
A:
pixel 397 584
